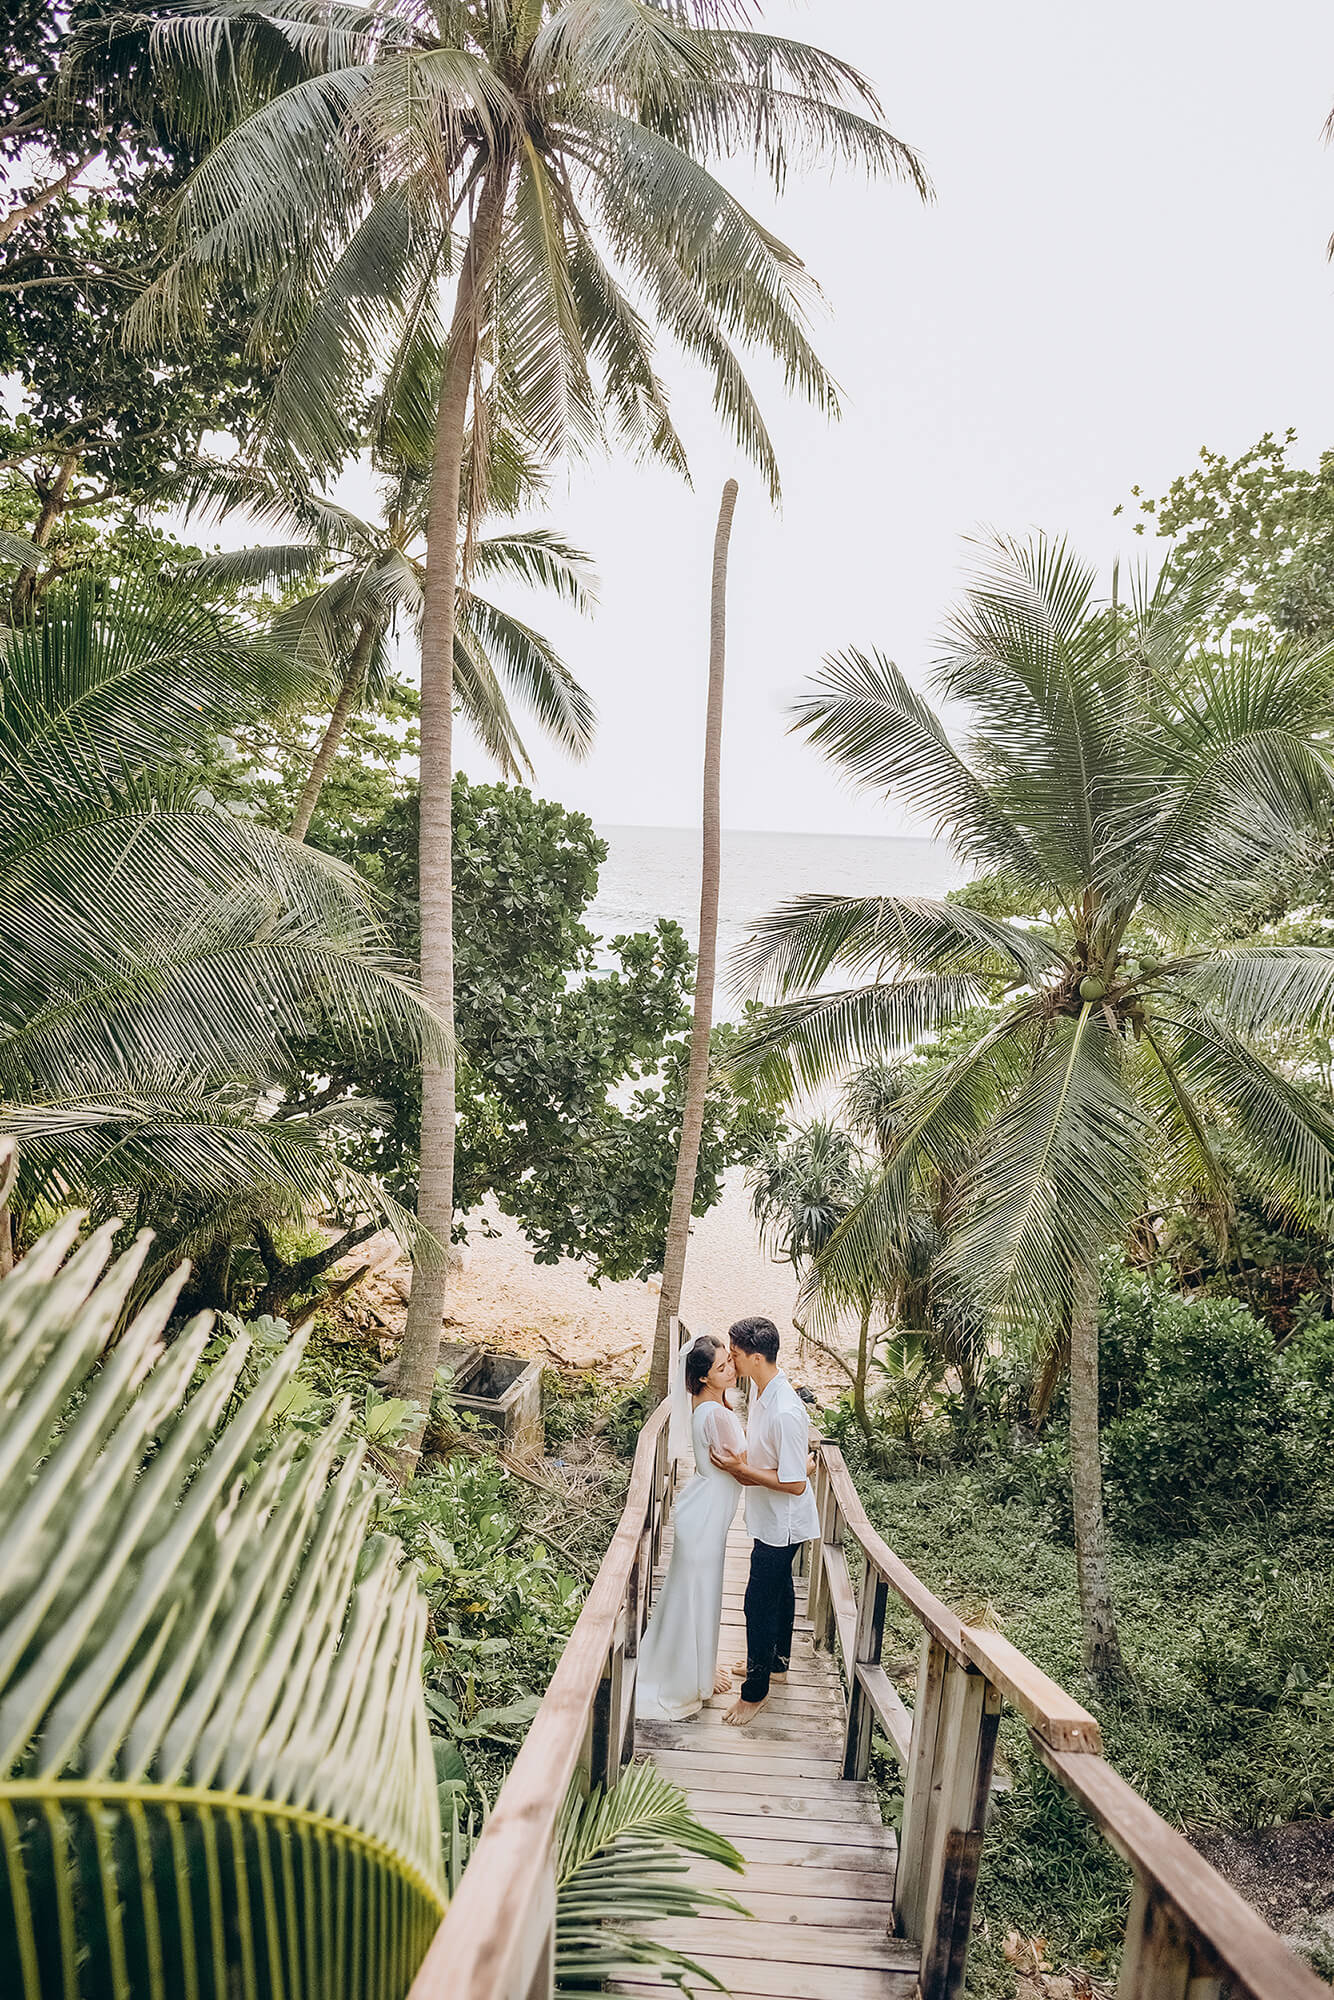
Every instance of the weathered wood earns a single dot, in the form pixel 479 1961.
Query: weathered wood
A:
pixel 491 1943
pixel 965 1747
pixel 1235 1938
pixel 918 1788
pixel 842 1600
pixel 818 1602
pixel 928 1610
pixel 1045 1706
pixel 795 1979
pixel 889 1708
pixel 1156 1962
pixel 742 1828
pixel 867 1643
pixel 724 1938
pixel 807 1886
pixel 701 1775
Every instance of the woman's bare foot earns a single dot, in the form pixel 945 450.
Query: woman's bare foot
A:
pixel 722 1681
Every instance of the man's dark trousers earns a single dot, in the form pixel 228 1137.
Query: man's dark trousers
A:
pixel 771 1607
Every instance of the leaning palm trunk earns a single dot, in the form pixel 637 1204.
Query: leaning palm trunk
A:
pixel 1102 1651
pixel 697 1077
pixel 420 1348
pixel 348 694
pixel 215 1770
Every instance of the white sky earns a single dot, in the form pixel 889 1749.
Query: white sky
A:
pixel 1125 261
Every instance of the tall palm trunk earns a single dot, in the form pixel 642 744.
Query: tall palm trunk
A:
pixel 697 1078
pixel 353 682
pixel 863 1365
pixel 1102 1650
pixel 420 1349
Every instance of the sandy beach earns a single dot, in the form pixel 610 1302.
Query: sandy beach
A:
pixel 505 1302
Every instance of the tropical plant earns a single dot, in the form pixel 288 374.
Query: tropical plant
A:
pixel 503 146
pixel 616 1866
pixel 701 1027
pixel 215 1771
pixel 159 958
pixel 357 581
pixel 1140 788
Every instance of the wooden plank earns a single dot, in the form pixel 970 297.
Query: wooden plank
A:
pixel 1046 1707
pixel 773 1850
pixel 843 1599
pixel 918 1786
pixel 491 1943
pixel 767 1727
pixel 809 1887
pixel 735 1938
pixel 697 1774
pixel 889 1709
pixel 743 1827
pixel 790 1980
pixel 965 1746
pixel 870 1636
pixel 818 1757
pixel 1252 1956
pixel 816 1912
pixel 1155 1964
pixel 802 1806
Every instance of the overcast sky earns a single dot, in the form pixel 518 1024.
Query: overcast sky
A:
pixel 1125 261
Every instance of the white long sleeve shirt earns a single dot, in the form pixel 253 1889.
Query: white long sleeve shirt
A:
pixel 778 1439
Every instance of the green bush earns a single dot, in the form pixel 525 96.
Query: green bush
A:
pixel 1213 1433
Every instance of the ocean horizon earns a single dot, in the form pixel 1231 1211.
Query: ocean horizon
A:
pixel 653 871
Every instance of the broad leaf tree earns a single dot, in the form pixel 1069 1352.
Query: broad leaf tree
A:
pixel 1136 788
pixel 503 199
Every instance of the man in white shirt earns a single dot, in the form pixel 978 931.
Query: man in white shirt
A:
pixel 780 1507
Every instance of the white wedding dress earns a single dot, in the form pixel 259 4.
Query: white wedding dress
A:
pixel 678 1654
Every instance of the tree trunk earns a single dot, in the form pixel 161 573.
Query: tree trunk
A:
pixel 1102 1651
pixel 420 1350
pixel 9 1174
pixel 353 682
pixel 53 499
pixel 863 1362
pixel 697 1078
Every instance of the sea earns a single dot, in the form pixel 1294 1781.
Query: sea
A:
pixel 653 871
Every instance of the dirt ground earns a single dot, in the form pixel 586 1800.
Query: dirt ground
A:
pixel 1287 1872
pixel 504 1301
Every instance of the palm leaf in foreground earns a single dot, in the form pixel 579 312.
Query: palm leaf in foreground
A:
pixel 618 1858
pixel 215 1772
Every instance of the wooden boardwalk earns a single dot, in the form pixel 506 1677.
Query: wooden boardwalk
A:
pixel 819 1878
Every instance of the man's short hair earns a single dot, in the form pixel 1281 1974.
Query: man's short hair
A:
pixel 755 1336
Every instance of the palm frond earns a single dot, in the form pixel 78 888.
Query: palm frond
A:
pixel 816 1039
pixel 803 941
pixel 214 1757
pixel 535 673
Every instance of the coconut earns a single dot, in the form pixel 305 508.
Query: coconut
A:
pixel 1091 987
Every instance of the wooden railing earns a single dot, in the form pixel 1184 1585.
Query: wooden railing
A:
pixel 497 1939
pixel 1189 1937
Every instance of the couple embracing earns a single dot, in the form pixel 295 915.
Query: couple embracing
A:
pixel 678 1656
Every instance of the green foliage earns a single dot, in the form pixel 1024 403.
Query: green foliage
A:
pixel 204 1663
pixel 571 1075
pixel 1212 1432
pixel 1265 524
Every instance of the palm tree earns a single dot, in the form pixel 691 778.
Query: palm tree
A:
pixel 367 577
pixel 1137 790
pixel 697 1072
pixel 508 148
pixel 215 1769
pixel 159 957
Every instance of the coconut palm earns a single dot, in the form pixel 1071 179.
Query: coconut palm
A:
pixel 701 1026
pixel 1132 791
pixel 159 957
pixel 357 581
pixel 544 158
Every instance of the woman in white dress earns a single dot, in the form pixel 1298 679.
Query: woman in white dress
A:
pixel 678 1655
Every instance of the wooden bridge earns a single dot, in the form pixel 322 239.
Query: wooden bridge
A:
pixel 840 1910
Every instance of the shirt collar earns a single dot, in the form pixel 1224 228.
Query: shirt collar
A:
pixel 766 1392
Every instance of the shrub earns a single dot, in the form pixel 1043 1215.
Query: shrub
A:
pixel 1213 1430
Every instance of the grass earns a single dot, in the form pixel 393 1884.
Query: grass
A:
pixel 1229 1720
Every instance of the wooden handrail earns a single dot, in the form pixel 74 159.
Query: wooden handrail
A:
pixel 1188 1933
pixel 496 1940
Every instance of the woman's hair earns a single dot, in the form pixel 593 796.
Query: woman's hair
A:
pixel 700 1360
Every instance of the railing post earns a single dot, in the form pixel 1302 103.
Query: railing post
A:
pixel 955 1816
pixel 821 1602
pixel 870 1638
pixel 539 1923
pixel 917 1787
pixel 1156 1964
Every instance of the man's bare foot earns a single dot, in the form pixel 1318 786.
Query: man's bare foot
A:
pixel 742 1712
pixel 722 1681
pixel 742 1669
